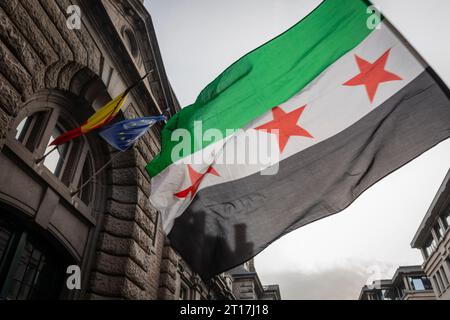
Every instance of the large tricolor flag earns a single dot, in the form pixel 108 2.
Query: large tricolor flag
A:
pixel 345 105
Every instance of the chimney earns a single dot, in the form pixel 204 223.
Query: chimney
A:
pixel 251 265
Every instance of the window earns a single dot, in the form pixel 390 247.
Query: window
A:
pixel 436 285
pixel 5 238
pixel 22 129
pixel 430 245
pixel 373 296
pixel 440 282
pixel 184 292
pixel 29 130
pixel 446 217
pixel 68 162
pixel 130 42
pixel 438 230
pixel 447 261
pixel 28 268
pixel 417 284
pixel 55 160
pixel 420 283
pixel 389 294
pixel 444 277
pixel 385 295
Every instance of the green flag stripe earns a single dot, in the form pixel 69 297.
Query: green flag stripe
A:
pixel 269 75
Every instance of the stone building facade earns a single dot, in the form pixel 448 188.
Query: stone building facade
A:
pixel 52 78
pixel 433 240
pixel 247 285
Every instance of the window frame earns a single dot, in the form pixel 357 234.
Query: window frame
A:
pixel 65 183
pixel 436 285
pixel 183 288
pixel 440 282
pixel 444 277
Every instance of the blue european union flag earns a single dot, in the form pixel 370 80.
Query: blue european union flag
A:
pixel 122 135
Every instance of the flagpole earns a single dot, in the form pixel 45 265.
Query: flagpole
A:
pixel 45 155
pixel 128 90
pixel 139 81
pixel 96 173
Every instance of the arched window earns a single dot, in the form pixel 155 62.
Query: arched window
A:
pixel 130 41
pixel 29 267
pixel 70 163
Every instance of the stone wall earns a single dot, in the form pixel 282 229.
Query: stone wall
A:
pixel 244 289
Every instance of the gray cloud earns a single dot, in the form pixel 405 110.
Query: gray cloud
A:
pixel 336 283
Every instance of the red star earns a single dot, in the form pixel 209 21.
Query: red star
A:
pixel 286 124
pixel 372 74
pixel 196 179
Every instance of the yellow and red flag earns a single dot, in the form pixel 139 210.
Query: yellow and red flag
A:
pixel 104 115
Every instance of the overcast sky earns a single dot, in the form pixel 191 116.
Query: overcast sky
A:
pixel 334 257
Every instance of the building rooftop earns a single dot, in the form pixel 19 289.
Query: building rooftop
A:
pixel 247 273
pixel 406 270
pixel 241 271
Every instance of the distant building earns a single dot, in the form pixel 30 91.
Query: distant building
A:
pixel 271 292
pixel 247 285
pixel 408 283
pixel 376 291
pixel 433 240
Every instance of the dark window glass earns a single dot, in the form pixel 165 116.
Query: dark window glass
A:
pixel 28 268
pixel 184 292
pixel 427 283
pixel 5 240
pixel 31 262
